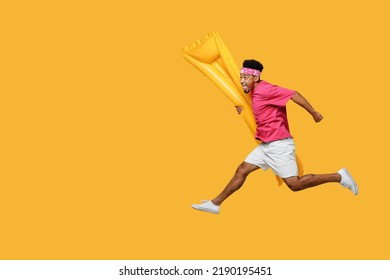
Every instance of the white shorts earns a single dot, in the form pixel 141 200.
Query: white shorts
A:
pixel 278 155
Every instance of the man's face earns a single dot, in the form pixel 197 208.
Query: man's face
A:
pixel 247 82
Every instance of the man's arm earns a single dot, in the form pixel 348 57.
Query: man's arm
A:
pixel 301 101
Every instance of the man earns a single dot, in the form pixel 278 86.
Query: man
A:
pixel 277 150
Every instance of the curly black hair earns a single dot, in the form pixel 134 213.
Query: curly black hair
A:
pixel 253 64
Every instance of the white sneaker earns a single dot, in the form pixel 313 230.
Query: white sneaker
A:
pixel 347 181
pixel 207 206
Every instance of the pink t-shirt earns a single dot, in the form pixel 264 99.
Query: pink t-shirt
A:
pixel 269 107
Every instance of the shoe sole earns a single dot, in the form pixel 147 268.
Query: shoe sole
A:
pixel 205 209
pixel 355 187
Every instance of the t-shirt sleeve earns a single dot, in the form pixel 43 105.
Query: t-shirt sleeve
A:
pixel 280 96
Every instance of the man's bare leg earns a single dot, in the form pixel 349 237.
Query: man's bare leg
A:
pixel 343 177
pixel 243 170
pixel 212 206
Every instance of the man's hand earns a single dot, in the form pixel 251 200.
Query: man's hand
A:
pixel 239 109
pixel 317 117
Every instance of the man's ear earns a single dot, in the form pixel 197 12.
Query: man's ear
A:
pixel 257 78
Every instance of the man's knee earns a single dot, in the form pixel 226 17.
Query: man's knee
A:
pixel 244 169
pixel 293 183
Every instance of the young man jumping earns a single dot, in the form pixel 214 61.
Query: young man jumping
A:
pixel 277 148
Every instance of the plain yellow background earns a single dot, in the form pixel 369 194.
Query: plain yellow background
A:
pixel 108 135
